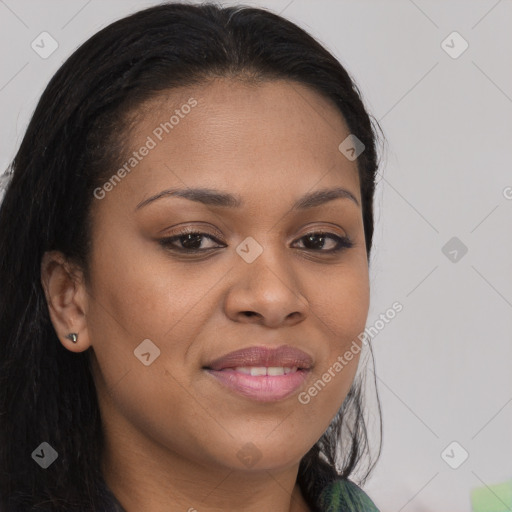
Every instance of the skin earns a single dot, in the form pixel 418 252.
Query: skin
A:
pixel 172 431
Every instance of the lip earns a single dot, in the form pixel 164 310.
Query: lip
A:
pixel 262 388
pixel 263 356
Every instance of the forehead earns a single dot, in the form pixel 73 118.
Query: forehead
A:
pixel 253 139
pixel 280 110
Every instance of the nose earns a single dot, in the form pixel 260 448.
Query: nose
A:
pixel 267 292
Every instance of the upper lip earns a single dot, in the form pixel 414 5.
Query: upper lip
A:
pixel 285 356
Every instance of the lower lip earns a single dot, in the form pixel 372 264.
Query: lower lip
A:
pixel 263 388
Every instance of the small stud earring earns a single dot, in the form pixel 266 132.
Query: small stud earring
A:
pixel 73 336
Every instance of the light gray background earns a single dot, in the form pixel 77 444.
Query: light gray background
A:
pixel 444 363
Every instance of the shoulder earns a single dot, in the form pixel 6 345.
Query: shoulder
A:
pixel 342 495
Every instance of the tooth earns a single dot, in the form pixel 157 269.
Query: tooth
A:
pixel 258 371
pixel 275 370
pixel 243 369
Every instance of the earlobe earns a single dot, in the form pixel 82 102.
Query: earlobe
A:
pixel 66 298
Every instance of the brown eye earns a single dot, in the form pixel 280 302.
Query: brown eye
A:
pixel 187 241
pixel 316 242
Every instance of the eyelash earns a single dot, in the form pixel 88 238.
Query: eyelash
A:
pixel 343 242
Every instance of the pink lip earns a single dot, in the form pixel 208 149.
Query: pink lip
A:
pixel 263 356
pixel 264 388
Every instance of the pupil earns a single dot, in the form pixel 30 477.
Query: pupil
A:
pixel 318 237
pixel 192 238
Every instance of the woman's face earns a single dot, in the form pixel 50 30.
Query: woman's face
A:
pixel 158 316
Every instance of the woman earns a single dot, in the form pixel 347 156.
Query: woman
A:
pixel 184 273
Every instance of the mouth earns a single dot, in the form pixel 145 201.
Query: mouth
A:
pixel 284 356
pixel 261 373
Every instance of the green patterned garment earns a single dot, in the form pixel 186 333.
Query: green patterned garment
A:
pixel 345 496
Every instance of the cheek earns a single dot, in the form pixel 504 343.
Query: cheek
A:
pixel 140 294
pixel 339 300
pixel 339 307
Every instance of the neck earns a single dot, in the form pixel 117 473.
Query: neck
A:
pixel 146 476
pixel 146 485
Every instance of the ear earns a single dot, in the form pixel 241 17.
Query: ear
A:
pixel 67 299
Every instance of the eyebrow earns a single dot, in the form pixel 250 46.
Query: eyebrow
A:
pixel 212 197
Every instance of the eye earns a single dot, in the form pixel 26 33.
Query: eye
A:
pixel 189 240
pixel 316 242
